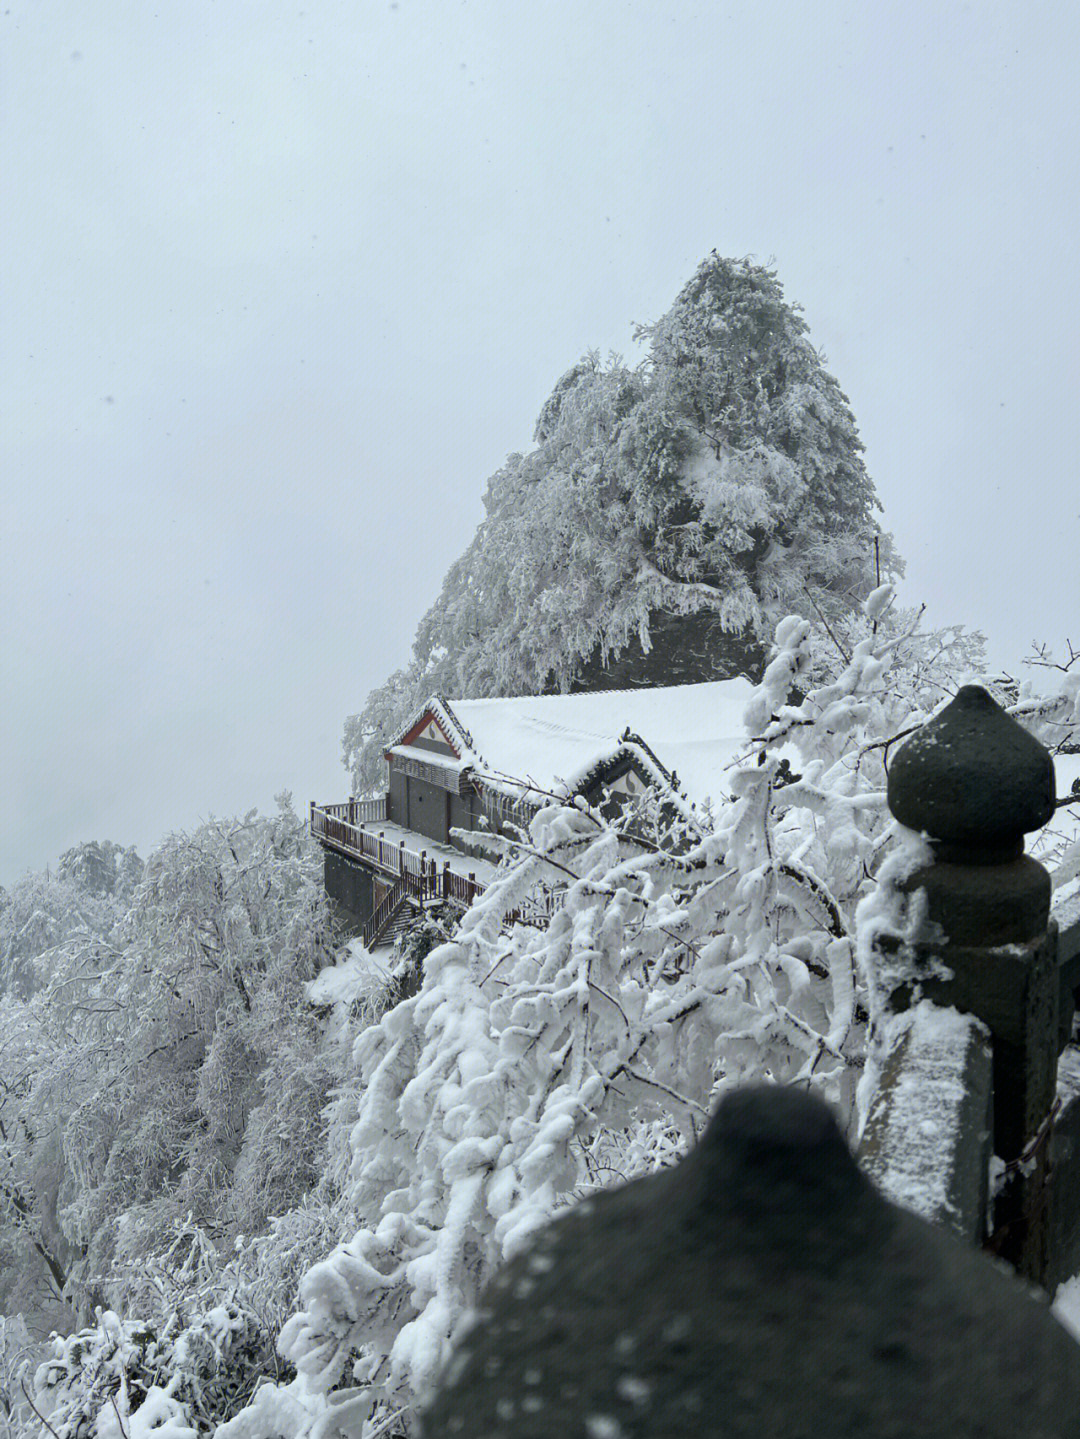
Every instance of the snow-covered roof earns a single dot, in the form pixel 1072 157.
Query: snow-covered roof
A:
pixel 549 740
pixel 441 761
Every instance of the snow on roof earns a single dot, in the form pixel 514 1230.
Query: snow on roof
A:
pixel 441 761
pixel 695 730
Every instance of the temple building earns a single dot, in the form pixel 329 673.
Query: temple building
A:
pixel 463 768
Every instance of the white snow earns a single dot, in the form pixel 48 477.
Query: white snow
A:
pixel 159 1416
pixel 1068 1074
pixel 1066 1307
pixel 432 757
pixel 633 1388
pixel 877 603
pixel 603 1426
pixel 695 730
pixel 416 843
pixel 272 1410
pixel 914 1163
pixel 342 982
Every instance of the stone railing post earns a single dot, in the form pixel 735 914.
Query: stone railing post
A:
pixel 974 782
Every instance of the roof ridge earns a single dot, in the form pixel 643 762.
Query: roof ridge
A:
pixel 585 694
pixel 455 720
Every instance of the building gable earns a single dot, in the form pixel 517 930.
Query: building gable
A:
pixel 427 733
pixel 624 777
pixel 630 784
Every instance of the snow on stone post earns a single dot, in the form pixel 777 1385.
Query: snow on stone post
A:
pixel 974 782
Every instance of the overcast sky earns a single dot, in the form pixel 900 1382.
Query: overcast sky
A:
pixel 283 285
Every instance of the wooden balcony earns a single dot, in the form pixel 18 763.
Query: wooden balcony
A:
pixel 344 827
pixel 350 829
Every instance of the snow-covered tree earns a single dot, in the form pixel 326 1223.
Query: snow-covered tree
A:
pixel 528 1068
pixel 51 924
pixel 45 914
pixel 669 515
pixel 534 1066
pixel 209 1104
pixel 101 868
pixel 167 1067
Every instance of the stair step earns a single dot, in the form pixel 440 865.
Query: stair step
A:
pixel 402 916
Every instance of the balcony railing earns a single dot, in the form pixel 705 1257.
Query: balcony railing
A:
pixel 356 811
pixel 422 879
pixel 341 826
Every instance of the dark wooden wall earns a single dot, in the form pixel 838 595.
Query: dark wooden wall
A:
pixel 348 885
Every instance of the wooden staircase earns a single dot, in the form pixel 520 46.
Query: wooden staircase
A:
pixel 420 882
pixel 399 921
pixel 392 912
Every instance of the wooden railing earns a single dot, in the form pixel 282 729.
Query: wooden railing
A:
pixel 384 912
pixel 421 877
pixel 356 811
pixel 462 888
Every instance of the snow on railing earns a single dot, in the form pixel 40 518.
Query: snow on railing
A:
pixel 926 1143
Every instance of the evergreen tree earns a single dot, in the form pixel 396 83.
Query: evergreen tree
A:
pixel 669 515
pixel 101 868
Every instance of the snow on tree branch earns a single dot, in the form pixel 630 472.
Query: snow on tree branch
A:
pixel 533 1066
pixel 722 479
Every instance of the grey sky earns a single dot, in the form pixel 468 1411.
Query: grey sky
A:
pixel 284 285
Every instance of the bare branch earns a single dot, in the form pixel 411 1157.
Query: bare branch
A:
pixel 828 627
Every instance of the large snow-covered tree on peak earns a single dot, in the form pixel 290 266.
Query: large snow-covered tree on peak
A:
pixel 669 515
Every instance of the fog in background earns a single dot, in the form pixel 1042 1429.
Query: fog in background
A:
pixel 284 285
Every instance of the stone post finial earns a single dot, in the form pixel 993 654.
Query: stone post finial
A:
pixel 761 1286
pixel 975 782
pixel 972 776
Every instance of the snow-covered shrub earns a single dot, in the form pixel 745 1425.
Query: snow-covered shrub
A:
pixel 17 1358
pixel 269 1267
pixel 106 1371
pixel 125 1379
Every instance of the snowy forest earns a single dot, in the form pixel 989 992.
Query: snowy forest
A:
pixel 253 1177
